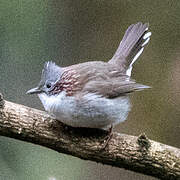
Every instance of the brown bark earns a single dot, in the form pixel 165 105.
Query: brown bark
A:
pixel 133 153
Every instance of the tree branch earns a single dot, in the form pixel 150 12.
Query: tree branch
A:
pixel 133 153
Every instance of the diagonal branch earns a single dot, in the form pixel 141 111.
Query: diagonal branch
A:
pixel 134 153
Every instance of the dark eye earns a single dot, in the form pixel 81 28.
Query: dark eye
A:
pixel 48 85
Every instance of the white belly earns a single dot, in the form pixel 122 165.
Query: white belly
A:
pixel 91 110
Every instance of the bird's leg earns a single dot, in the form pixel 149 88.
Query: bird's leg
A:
pixel 108 137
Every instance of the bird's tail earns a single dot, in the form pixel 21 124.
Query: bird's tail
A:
pixel 131 46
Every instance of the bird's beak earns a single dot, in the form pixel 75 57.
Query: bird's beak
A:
pixel 35 90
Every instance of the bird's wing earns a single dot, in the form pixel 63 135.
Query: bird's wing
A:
pixel 113 88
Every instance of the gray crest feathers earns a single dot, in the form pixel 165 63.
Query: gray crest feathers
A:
pixel 51 72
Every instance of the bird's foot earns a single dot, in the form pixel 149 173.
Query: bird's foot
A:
pixel 107 138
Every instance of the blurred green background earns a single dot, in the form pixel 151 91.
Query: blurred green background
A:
pixel 68 32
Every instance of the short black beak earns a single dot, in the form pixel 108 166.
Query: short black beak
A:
pixel 35 90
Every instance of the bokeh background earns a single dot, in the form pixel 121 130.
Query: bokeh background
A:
pixel 68 32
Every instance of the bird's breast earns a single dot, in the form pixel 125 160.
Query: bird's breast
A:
pixel 91 110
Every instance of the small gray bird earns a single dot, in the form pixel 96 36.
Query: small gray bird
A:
pixel 94 94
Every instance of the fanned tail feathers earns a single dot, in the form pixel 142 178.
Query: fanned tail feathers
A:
pixel 131 46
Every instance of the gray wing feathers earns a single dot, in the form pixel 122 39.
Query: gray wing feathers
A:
pixel 113 88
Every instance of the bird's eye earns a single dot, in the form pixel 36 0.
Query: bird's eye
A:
pixel 48 85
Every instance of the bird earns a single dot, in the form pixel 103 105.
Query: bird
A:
pixel 94 94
